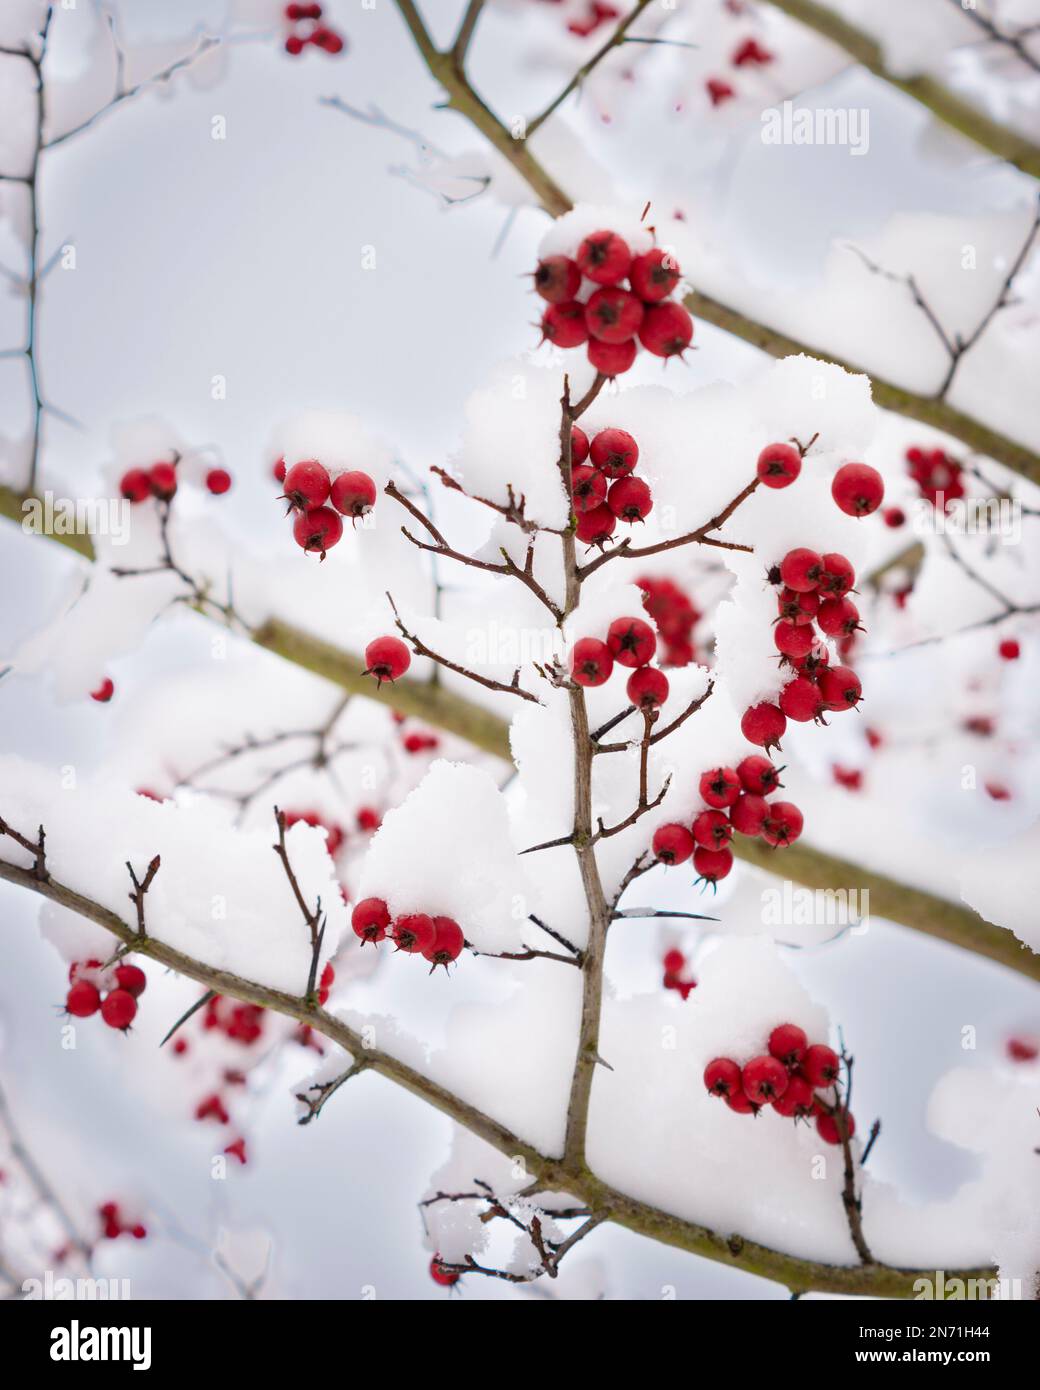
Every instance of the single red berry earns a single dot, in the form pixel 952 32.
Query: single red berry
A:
pixel 278 470
pixel 758 774
pixel 894 517
pixel 307 484
pixel 787 1043
pixel 370 920
pixel 557 279
pixel 104 692
pixel 592 661
pixel 838 617
pixel 763 724
pixel 840 688
pixel 719 787
pixel 820 1065
pixel 414 932
pixel 630 499
pixel 798 1101
pixel 654 275
pixel 632 642
pixel 764 1079
pixel 719 91
pixel 368 819
pixel 711 864
pixel 82 1000
pixel 827 1128
pixel 596 526
pixel 131 978
pixel 783 824
pixel 614 452
pixel 328 979
pixel 748 813
pixel 801 570
pixel 611 359
pixel 317 530
pixel 801 700
pixel 778 465
pixel 739 1103
pixel 1009 650
pixel 119 1009
pixel 838 576
pixel 564 324
pixel 218 481
pixel 792 641
pixel 440 1275
pixel 666 330
pixel 647 688
pixel 712 830
pixel 447 943
pixel 162 479
pixel 588 488
pixel 722 1077
pixel 353 494
pixel 1018 1049
pixel 135 485
pixel 673 960
pixel 613 315
pixel 579 445
pixel 796 608
pixel 672 844
pixel 294 45
pixel 604 258
pixel 387 658
pixel 858 489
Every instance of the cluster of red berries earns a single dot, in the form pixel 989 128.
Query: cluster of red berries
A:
pixel 160 481
pixel 613 320
pixel 313 31
pixel 936 475
pixel 674 963
pixel 787 1077
pixel 114 993
pixel 114 1224
pixel 748 54
pixel 814 592
pixel 604 489
pixel 437 939
pixel 675 617
pixel 630 642
pixel 734 800
pixel 309 487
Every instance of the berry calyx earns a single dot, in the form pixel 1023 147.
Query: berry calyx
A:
pixel 564 324
pixel 712 830
pixel 758 774
pixel 447 943
pixel 672 844
pixel 820 1065
pixel 712 864
pixel 614 452
pixel 557 279
pixel 630 499
pixel 414 933
pixel 218 481
pixel 654 275
pixel 722 1077
pixel 307 484
pixel 104 691
pixel 604 258
pixel 647 688
pixel 764 1079
pixel 592 661
pixel 82 999
pixel 783 824
pixel 632 642
pixel 387 658
pixel 719 787
pixel 317 530
pixel 748 813
pixel 613 315
pixel 588 488
pixel 119 1009
pixel 353 494
pixel 858 489
pixel 787 1043
pixel 596 527
pixel 764 724
pixel 370 920
pixel 666 330
pixel 135 485
pixel 778 465
pixel 162 479
pixel 131 978
pixel 801 570
pixel 798 608
pixel 611 359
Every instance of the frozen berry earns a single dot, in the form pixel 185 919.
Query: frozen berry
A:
pixel 787 1043
pixel 414 933
pixel 611 359
pixel 630 499
pixel 838 617
pixel 591 661
pixel 722 1077
pixel 370 919
pixel 613 315
pixel 763 724
pixel 827 1128
pixel 783 824
pixel 1009 650
pixel 604 258
pixel 711 864
pixel 797 608
pixel 801 570
pixel 596 527
pixel 162 479
pixel 748 813
pixel 131 978
pixel 119 1009
pixel 666 330
pixel 307 484
pixel 218 481
pixel 579 445
pixel 764 1079
pixel 82 999
pixel 441 1275
pixel 719 787
pixel 632 641
pixel 820 1065
pixel 564 324
pixel 447 943
pixel 801 700
pixel 858 489
pixel 387 658
pixel 758 774
pixel 793 641
pixel 840 688
pixel 135 485
pixel 557 279
pixel 798 1101
pixel 672 844
pixel 588 488
pixel 647 688
pixel 778 465
pixel 614 452
pixel 104 691
pixel 317 530
pixel 353 494
pixel 712 830
pixel 654 275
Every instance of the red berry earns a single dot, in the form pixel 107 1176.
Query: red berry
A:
pixel 647 688
pixel 162 479
pixel 798 1101
pixel 763 724
pixel 218 481
pixel 764 1079
pixel 796 608
pixel 294 45
pixel 1018 1049
pixel 596 526
pixel 579 445
pixel 748 813
pixel 758 775
pixel 370 919
pixel 445 1277
pixel 838 617
pixel 783 824
pixel 787 1043
pixel 414 932
pixel 719 91
pixel 613 315
pixel 1009 650
pixel 611 359
pixel 739 1103
pixel 838 576
pixel 654 275
pixel 564 324
pixel 592 661
pixel 82 1000
pixel 840 688
pixel 135 485
pixel 666 330
pixel 719 787
pixel 119 1009
pixel 447 943
pixel 588 488
pixel 328 39
pixel 604 258
pixel 317 530
pixel 722 1077
pixel 820 1065
pixel 104 692
pixel 387 658
pixel 630 499
pixel 792 641
pixel 712 830
pixel 778 465
pixel 673 960
pixel 801 700
pixel 278 470
pixel 711 865
pixel 353 494
pixel 131 978
pixel 894 517
pixel 328 979
pixel 672 844
pixel 632 642
pixel 827 1128
pixel 614 452
pixel 557 279
pixel 307 484
pixel 368 819
pixel 801 570
pixel 858 489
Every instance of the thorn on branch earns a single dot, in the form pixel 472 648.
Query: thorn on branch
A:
pixel 137 897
